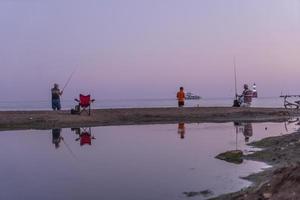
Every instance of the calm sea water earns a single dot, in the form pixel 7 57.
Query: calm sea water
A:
pixel 146 162
pixel 136 103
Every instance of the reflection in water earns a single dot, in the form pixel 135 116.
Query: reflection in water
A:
pixel 130 159
pixel 245 128
pixel 56 137
pixel 84 135
pixel 248 131
pixel 181 129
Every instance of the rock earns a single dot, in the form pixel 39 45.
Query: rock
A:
pixel 205 193
pixel 234 156
pixel 191 194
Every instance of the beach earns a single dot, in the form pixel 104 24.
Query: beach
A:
pixel 10 120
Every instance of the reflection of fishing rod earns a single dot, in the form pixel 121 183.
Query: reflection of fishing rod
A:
pixel 70 150
pixel 236 137
pixel 69 79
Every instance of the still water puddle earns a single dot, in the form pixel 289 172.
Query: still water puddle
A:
pixel 146 162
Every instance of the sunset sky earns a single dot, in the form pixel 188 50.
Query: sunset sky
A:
pixel 148 48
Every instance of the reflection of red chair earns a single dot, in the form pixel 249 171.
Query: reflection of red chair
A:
pixel 85 138
pixel 85 103
pixel 84 135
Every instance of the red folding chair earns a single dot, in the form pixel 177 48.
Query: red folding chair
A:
pixel 84 103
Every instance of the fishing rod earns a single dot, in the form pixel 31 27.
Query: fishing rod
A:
pixel 236 102
pixel 235 84
pixel 69 79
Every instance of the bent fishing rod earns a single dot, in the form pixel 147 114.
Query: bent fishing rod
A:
pixel 69 79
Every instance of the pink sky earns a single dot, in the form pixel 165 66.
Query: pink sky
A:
pixel 147 49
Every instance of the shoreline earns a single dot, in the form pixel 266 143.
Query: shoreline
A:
pixel 279 182
pixel 12 120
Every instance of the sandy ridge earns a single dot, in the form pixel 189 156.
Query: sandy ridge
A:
pixel 100 117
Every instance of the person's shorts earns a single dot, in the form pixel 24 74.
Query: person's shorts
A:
pixel 180 103
pixel 56 104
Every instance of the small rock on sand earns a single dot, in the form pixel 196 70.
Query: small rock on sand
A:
pixel 234 156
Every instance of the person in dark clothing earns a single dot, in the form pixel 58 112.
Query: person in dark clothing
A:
pixel 55 94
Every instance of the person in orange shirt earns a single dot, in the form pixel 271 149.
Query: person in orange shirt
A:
pixel 180 97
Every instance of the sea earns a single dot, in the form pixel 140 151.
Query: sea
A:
pixel 267 102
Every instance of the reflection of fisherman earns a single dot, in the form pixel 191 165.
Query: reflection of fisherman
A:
pixel 56 137
pixel 245 128
pixel 248 131
pixel 246 96
pixel 181 130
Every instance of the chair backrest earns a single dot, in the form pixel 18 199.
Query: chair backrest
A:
pixel 85 138
pixel 85 100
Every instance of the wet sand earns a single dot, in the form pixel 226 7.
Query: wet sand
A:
pixel 10 120
pixel 282 181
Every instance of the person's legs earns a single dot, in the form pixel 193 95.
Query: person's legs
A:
pixel 56 104
pixel 246 105
pixel 180 103
pixel 53 105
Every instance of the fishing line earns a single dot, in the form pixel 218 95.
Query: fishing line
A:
pixel 70 150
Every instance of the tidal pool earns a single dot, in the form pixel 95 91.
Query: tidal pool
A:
pixel 149 162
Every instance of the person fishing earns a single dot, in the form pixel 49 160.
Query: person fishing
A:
pixel 246 96
pixel 56 93
pixel 180 97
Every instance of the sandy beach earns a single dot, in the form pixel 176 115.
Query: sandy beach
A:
pixel 10 120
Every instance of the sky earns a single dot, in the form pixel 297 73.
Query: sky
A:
pixel 148 48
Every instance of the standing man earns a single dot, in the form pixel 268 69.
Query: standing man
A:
pixel 180 97
pixel 246 96
pixel 56 93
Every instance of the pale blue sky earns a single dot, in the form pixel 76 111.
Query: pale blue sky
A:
pixel 148 48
